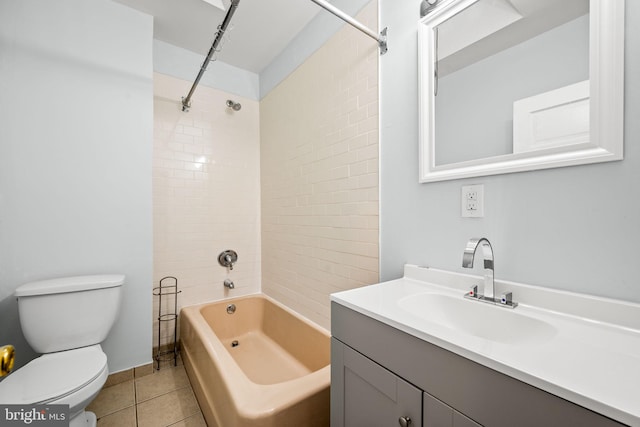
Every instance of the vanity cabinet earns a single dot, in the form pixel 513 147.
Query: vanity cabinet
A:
pixel 370 394
pixel 380 374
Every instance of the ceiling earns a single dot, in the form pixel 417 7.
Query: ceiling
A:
pixel 470 36
pixel 258 32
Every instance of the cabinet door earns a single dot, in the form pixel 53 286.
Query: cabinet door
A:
pixel 364 394
pixel 435 413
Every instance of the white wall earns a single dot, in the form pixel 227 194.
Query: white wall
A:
pixel 345 233
pixel 75 158
pixel 319 174
pixel 206 193
pixel 571 228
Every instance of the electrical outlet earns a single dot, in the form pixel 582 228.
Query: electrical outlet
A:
pixel 472 201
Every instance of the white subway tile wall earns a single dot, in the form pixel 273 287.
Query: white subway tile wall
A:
pixel 206 194
pixel 319 175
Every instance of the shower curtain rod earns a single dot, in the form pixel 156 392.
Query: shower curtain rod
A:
pixel 380 38
pixel 186 101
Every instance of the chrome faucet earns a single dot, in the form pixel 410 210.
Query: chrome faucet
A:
pixel 486 289
pixel 485 292
pixel 228 283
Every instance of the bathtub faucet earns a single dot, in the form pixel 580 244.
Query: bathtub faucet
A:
pixel 228 258
pixel 229 284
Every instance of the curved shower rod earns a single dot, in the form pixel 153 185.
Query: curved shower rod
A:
pixel 380 38
pixel 186 101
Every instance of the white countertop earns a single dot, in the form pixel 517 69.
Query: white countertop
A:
pixel 591 358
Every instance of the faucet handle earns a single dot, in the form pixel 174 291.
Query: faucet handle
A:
pixel 473 291
pixel 506 299
pixel 228 258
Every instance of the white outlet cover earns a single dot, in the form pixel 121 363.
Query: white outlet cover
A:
pixel 470 206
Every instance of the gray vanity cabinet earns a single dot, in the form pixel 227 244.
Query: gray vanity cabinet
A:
pixel 380 374
pixel 370 395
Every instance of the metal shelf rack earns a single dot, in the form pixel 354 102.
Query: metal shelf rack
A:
pixel 168 288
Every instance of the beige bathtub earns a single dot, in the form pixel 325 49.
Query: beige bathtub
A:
pixel 278 374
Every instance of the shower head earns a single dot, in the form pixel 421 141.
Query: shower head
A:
pixel 235 106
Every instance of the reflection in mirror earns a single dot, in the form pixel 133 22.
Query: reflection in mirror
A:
pixel 505 85
pixel 482 91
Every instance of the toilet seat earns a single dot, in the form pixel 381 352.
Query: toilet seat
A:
pixel 53 376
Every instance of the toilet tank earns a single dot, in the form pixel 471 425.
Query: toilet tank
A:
pixel 69 312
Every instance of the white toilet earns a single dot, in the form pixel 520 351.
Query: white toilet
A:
pixel 65 319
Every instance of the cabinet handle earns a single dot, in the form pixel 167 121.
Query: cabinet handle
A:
pixel 404 421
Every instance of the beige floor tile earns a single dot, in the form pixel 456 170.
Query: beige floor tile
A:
pixel 161 382
pixel 193 421
pixel 122 418
pixel 168 408
pixel 112 399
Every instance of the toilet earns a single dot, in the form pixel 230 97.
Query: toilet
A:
pixel 65 319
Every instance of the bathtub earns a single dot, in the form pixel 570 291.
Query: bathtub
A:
pixel 261 366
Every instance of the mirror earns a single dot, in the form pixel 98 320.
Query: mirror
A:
pixel 517 85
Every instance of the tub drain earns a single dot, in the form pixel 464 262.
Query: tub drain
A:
pixel 235 343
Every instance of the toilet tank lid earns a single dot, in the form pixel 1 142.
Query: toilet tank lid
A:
pixel 69 284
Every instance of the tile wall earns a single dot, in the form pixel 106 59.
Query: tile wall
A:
pixel 206 192
pixel 319 174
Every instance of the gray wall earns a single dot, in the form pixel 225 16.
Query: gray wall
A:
pixel 184 64
pixel 75 158
pixel 572 228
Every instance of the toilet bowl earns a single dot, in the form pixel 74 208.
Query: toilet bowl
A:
pixel 72 377
pixel 66 319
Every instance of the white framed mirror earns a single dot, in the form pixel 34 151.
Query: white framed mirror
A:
pixel 517 85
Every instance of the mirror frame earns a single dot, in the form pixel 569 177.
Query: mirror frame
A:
pixel 606 85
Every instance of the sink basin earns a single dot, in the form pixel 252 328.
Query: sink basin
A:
pixel 475 318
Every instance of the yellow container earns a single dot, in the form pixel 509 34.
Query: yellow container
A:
pixel 7 357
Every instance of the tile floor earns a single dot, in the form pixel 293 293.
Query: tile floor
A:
pixel 147 398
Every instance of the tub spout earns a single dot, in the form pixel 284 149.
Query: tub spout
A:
pixel 229 284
